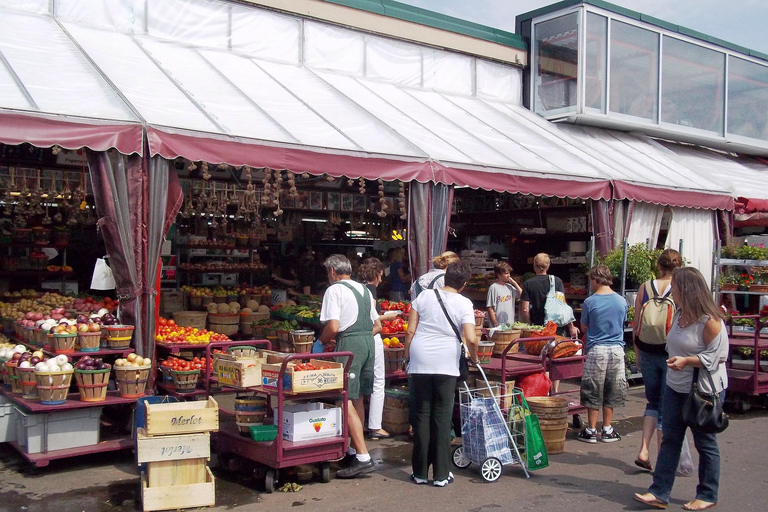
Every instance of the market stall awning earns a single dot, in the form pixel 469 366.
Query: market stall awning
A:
pixel 51 94
pixel 207 103
pixel 641 170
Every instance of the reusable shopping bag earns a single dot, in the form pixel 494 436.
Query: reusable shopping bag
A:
pixel 555 310
pixel 535 449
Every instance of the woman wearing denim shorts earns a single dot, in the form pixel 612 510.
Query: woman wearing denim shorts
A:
pixel 652 358
pixel 604 383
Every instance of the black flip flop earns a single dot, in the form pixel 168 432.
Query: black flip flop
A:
pixel 645 464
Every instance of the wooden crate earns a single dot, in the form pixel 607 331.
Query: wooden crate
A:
pixel 177 472
pixel 172 447
pixel 238 372
pixel 182 417
pixel 173 497
pixel 329 376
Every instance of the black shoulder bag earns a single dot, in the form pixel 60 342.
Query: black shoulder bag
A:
pixel 704 412
pixel 463 361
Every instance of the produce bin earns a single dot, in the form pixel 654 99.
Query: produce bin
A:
pixel 46 432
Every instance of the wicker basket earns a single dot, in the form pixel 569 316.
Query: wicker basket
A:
pixel 394 359
pixel 195 319
pixel 131 380
pixel 479 320
pixel 224 323
pixel 485 351
pixel 302 340
pixel 52 387
pixel 185 381
pixel 38 337
pixel 89 341
pixel 13 377
pixel 28 383
pixel 4 373
pixel 502 339
pixel 64 343
pixel 92 384
pixel 284 340
pixel 119 336
pixel 195 302
pixel 249 411
pixel 246 352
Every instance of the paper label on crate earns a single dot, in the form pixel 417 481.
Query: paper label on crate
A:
pixel 318 379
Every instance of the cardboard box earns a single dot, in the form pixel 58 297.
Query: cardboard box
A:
pixel 304 422
pixel 329 376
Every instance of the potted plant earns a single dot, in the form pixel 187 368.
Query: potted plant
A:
pixel 745 280
pixel 760 283
pixel 728 251
pixel 752 252
pixel 729 280
pixel 641 264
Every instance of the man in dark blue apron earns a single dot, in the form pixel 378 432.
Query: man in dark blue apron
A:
pixel 350 317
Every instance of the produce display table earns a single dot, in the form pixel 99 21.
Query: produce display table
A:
pixel 51 413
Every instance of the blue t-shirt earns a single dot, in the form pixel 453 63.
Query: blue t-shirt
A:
pixel 604 315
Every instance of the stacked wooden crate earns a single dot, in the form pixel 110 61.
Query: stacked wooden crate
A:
pixel 175 446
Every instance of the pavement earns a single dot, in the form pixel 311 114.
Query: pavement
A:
pixel 586 478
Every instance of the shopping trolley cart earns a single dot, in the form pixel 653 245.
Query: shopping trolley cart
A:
pixel 492 430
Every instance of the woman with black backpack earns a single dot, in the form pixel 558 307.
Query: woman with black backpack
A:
pixel 654 309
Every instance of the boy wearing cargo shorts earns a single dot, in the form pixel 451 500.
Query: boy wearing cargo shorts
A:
pixel 604 383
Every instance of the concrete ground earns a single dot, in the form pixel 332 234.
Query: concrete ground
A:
pixel 583 479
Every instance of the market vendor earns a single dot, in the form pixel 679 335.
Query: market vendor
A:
pixel 350 316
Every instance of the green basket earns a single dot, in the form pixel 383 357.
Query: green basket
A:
pixel 264 432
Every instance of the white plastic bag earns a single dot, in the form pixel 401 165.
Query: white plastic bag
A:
pixel 102 276
pixel 685 466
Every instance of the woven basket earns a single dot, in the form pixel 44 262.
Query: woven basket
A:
pixel 89 341
pixel 195 319
pixel 131 380
pixel 92 384
pixel 4 373
pixel 64 343
pixel 502 339
pixel 119 336
pixel 394 359
pixel 52 387
pixel 28 383
pixel 244 351
pixel 249 411
pixel 13 377
pixel 224 323
pixel 485 351
pixel 185 380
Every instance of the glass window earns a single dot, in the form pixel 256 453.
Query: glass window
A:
pixel 747 88
pixel 692 85
pixel 634 71
pixel 556 48
pixel 597 47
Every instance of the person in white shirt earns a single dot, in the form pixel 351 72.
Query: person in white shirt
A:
pixel 432 349
pixel 350 316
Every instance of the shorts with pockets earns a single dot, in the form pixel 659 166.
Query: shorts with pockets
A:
pixel 361 369
pixel 604 383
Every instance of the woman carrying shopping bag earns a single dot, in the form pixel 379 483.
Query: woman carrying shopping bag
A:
pixel 697 341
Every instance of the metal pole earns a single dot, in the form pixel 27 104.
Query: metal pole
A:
pixel 624 269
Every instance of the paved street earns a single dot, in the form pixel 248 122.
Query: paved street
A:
pixel 584 479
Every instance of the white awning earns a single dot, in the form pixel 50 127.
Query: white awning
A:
pixel 221 93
